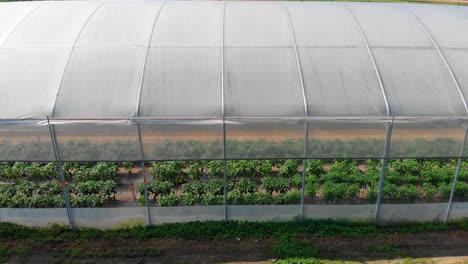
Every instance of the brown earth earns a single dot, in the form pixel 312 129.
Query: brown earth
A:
pixel 441 247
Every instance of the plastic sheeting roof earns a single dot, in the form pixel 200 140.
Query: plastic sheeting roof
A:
pixel 209 60
pixel 153 80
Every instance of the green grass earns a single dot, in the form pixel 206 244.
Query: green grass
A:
pixel 223 230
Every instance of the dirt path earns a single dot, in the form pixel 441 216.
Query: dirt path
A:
pixel 442 247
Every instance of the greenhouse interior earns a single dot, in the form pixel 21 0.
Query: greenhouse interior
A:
pixel 116 113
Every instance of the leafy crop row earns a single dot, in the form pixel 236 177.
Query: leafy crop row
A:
pixel 258 148
pixel 49 194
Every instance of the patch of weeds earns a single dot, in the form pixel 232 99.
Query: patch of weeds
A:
pixel 5 254
pixel 292 248
pixel 90 233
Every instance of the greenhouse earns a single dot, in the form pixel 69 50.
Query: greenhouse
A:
pixel 296 92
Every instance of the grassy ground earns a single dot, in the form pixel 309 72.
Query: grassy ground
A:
pixel 239 242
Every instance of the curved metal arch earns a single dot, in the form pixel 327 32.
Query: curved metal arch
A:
pixel 306 110
pixel 298 62
pixel 143 69
pixel 371 56
pixel 70 54
pixel 439 51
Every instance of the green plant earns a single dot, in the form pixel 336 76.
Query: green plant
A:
pixel 296 181
pixel 311 188
pixel 292 248
pixel 215 186
pixel 241 168
pixel 405 166
pixel 195 171
pixel 276 184
pixel 246 186
pixel 409 192
pixel 159 188
pixel 171 171
pixel 87 188
pixel 257 198
pixel 215 167
pixel 169 200
pixel 372 193
pixel 264 167
pixel 235 197
pixel 288 168
pixel 338 192
pixel 210 199
pixel 293 196
pixel 109 189
pixel 128 166
pixel 188 199
pixel 314 167
pixel 430 191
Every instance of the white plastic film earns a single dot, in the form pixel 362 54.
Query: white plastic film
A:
pixel 323 25
pixel 25 142
pixel 98 142
pixel 447 24
pixel 418 83
pixel 56 24
pixel 256 24
pixel 436 139
pixel 182 82
pixel 100 82
pixel 182 142
pixel 189 24
pixel 262 82
pixel 341 82
pixel 120 24
pixel 29 78
pixel 266 139
pixel 11 14
pixel 388 25
pixel 355 140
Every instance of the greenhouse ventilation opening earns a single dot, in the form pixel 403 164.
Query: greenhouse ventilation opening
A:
pixel 210 80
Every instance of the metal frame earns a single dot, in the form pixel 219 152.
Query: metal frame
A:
pixel 383 171
pixel 455 178
pixel 371 56
pixel 225 173
pixel 143 68
pixel 145 180
pixel 69 56
pixel 441 54
pixel 306 110
pixel 137 113
pixel 60 169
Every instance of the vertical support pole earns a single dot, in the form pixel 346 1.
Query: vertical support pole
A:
pixel 145 180
pixel 304 170
pixel 455 179
pixel 382 173
pixel 63 183
pixel 224 119
pixel 225 174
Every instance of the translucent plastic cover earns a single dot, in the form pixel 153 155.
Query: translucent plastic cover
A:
pixel 418 83
pixel 25 142
pixel 184 71
pixel 426 139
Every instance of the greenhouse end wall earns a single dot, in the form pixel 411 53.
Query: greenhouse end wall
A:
pixel 220 80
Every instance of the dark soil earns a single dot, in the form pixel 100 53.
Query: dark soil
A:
pixel 446 247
